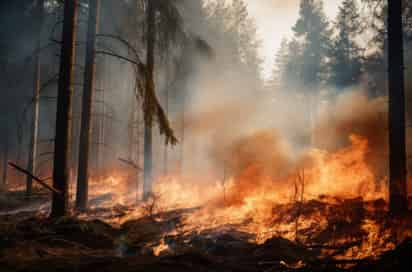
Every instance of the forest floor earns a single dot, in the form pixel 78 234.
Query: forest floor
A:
pixel 30 241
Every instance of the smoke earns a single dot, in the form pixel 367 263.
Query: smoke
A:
pixel 355 113
pixel 255 138
pixel 259 140
pixel 260 143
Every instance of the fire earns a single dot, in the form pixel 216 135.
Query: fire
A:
pixel 344 173
pixel 289 203
pixel 159 249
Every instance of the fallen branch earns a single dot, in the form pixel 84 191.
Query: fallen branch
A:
pixel 130 163
pixel 41 182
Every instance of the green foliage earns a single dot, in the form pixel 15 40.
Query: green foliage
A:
pixel 288 65
pixel 345 54
pixel 302 61
pixel 233 33
pixel 312 28
pixel 319 53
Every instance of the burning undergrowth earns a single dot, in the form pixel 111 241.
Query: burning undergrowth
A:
pixel 330 198
pixel 265 199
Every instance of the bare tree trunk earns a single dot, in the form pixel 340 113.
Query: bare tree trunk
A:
pixel 6 157
pixel 398 200
pixel 102 138
pixel 148 124
pixel 166 150
pixel 36 101
pixel 87 104
pixel 182 136
pixel 61 171
pixel 31 167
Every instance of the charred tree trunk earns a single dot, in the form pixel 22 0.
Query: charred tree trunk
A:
pixel 398 200
pixel 6 157
pixel 88 90
pixel 61 171
pixel 36 101
pixel 150 85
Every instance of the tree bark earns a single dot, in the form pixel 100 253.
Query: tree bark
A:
pixel 398 200
pixel 36 101
pixel 6 156
pixel 61 171
pixel 150 85
pixel 182 136
pixel 166 150
pixel 87 104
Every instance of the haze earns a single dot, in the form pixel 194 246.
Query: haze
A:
pixel 274 19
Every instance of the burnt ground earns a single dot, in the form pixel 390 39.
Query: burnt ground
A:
pixel 32 242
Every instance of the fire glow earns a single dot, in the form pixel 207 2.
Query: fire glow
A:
pixel 256 201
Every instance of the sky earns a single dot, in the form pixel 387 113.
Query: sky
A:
pixel 274 19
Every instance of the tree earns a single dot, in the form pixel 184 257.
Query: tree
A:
pixel 288 65
pixel 375 64
pixel 245 33
pixel 39 13
pixel 88 90
pixel 61 171
pixel 345 55
pixel 312 28
pixel 398 200
pixel 163 27
pixel 5 156
pixel 149 87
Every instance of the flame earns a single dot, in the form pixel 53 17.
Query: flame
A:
pixel 261 202
pixel 159 249
pixel 344 173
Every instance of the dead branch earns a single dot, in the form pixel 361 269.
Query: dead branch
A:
pixel 102 52
pixel 130 163
pixel 41 182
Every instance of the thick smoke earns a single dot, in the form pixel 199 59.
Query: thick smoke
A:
pixel 260 147
pixel 355 113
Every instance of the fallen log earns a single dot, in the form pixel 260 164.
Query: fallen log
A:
pixel 38 180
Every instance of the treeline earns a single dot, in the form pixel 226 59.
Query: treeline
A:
pixel 348 51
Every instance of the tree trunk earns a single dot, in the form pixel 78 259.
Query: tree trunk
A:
pixel 166 150
pixel 6 157
pixel 151 32
pixel 87 104
pixel 398 200
pixel 31 167
pixel 61 171
pixel 182 136
pixel 101 141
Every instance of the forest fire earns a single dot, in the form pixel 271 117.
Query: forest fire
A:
pixel 205 135
pixel 312 197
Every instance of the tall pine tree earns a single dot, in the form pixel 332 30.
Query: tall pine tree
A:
pixel 345 54
pixel 312 28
